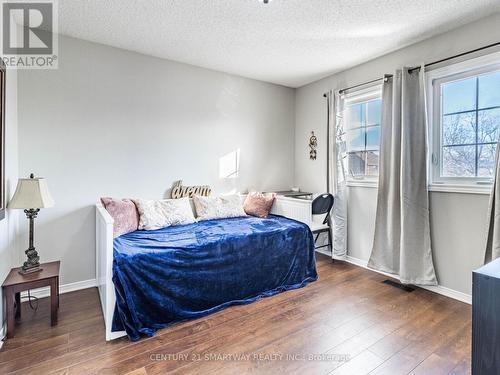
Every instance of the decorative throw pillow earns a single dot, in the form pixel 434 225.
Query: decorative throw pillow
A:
pixel 157 214
pixel 259 204
pixel 218 207
pixel 124 214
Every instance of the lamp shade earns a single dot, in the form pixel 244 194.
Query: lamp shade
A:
pixel 31 193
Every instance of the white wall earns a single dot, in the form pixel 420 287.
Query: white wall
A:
pixel 110 122
pixel 8 226
pixel 457 220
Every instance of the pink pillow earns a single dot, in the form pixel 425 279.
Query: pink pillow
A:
pixel 259 204
pixel 124 212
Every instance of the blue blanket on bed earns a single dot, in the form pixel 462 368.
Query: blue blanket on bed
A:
pixel 188 271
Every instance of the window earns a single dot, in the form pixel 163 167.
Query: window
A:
pixel 362 127
pixel 465 126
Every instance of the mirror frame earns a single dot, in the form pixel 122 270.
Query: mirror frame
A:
pixel 2 142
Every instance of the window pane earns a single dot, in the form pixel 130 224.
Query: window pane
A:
pixel 373 138
pixel 459 96
pixel 459 161
pixel 356 115
pixel 372 163
pixel 486 160
pixel 459 129
pixel 488 124
pixel 362 133
pixel 356 139
pixel 356 165
pixel 489 90
pixel 374 112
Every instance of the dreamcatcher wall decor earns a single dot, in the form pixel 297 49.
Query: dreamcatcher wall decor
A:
pixel 313 144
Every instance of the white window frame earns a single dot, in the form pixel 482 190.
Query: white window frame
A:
pixel 434 78
pixel 354 97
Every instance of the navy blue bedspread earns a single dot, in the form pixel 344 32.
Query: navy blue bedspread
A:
pixel 188 271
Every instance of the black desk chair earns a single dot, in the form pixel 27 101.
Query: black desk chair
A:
pixel 323 204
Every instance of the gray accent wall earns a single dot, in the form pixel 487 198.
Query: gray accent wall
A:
pixel 457 220
pixel 8 226
pixel 111 122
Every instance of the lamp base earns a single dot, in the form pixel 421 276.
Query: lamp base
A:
pixel 32 264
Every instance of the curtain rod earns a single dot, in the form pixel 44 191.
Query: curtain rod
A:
pixel 455 56
pixel 426 65
pixel 359 85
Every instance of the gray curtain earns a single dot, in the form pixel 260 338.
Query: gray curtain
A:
pixel 493 232
pixel 402 244
pixel 336 183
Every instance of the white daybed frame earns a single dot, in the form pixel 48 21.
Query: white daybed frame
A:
pixel 104 268
pixel 298 209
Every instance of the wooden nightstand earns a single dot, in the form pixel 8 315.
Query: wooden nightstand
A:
pixel 15 283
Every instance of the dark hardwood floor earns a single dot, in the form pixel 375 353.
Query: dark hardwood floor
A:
pixel 348 322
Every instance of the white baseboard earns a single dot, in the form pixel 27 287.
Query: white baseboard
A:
pixel 463 297
pixel 66 288
pixel 455 294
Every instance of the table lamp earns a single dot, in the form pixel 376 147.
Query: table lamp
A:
pixel 31 195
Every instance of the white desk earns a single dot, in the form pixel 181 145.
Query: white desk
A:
pixel 300 210
pixel 294 208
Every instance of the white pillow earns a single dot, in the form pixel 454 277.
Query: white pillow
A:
pixel 218 207
pixel 157 214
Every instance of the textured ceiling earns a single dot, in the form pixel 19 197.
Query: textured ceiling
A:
pixel 289 42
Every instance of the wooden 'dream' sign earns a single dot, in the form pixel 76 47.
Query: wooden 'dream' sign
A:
pixel 179 191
